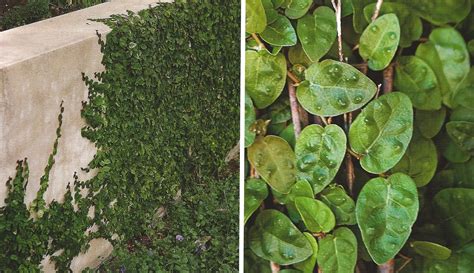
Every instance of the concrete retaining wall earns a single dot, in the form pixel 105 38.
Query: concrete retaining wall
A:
pixel 41 65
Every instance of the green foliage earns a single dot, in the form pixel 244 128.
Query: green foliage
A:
pixel 385 136
pixel 25 14
pixel 256 191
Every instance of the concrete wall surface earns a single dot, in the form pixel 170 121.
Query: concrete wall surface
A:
pixel 41 65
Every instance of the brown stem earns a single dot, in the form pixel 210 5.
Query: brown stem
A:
pixel 293 78
pixel 337 7
pixel 304 118
pixel 294 109
pixel 388 79
pixel 350 176
pixel 363 67
pixel 378 6
pixel 388 267
pixel 274 267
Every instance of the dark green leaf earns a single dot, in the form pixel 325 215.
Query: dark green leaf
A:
pixel 249 120
pixel 429 123
pixel 307 266
pixel 280 32
pixel 431 250
pixel 255 192
pixel 441 12
pixel 297 8
pixel 338 251
pixel 462 134
pixel 317 217
pixel 340 203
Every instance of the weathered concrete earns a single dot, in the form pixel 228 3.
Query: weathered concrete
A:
pixel 41 65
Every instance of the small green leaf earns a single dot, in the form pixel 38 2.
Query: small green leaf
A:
pixel 410 24
pixel 274 160
pixel 447 55
pixel 300 189
pixel 333 88
pixel 382 131
pixel 295 9
pixel 288 134
pixel 429 123
pixel 462 133
pixel 317 32
pixel 255 20
pixel 338 251
pixel 464 174
pixel 379 41
pixel 316 216
pixel 386 210
pixel 279 111
pixel 417 80
pixel 255 192
pixel 450 150
pixel 319 153
pixel 265 76
pixel 454 207
pixel 280 32
pixel 465 93
pixel 420 160
pixel 358 19
pixel 340 203
pixel 249 120
pixel 307 266
pixel 296 55
pixel 460 261
pixel 275 238
pixel 431 250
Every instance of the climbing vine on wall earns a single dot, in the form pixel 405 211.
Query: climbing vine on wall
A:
pixel 163 115
pixel 359 136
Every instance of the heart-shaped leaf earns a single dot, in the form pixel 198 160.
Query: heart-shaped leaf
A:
pixel 447 55
pixel 429 123
pixel 316 216
pixel 431 250
pixel 379 41
pixel 255 192
pixel 319 153
pixel 420 160
pixel 338 251
pixel 295 9
pixel 462 133
pixel 275 238
pixel 280 32
pixel 317 32
pixel 386 210
pixel 410 24
pixel 265 76
pixel 274 160
pixel 255 20
pixel 300 189
pixel 340 203
pixel 333 88
pixel 454 207
pixel 249 120
pixel 382 131
pixel 307 266
pixel 417 80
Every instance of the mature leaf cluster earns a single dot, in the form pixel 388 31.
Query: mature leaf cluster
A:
pixel 380 173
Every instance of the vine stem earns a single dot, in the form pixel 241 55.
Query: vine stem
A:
pixel 259 42
pixel 337 7
pixel 274 267
pixel 378 6
pixel 350 176
pixel 388 79
pixel 295 116
pixel 388 267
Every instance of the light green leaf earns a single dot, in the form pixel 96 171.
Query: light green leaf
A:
pixel 317 32
pixel 420 160
pixel 300 189
pixel 265 76
pixel 455 207
pixel 446 54
pixel 255 20
pixel 431 250
pixel 338 251
pixel 297 8
pixel 274 160
pixel 382 131
pixel 317 217
pixel 386 210
pixel 307 266
pixel 429 123
pixel 255 192
pixel 249 120
pixel 440 12
pixel 410 24
pixel 417 80
pixel 333 88
pixel 275 238
pixel 340 203
pixel 319 153
pixel 462 134
pixel 280 32
pixel 379 41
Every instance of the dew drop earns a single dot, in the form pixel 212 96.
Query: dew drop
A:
pixel 312 143
pixel 370 231
pixel 459 56
pixel 392 35
pixel 318 107
pixel 388 50
pixel 374 29
pixel 331 164
pixel 339 200
pixel 358 98
pixel 430 85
